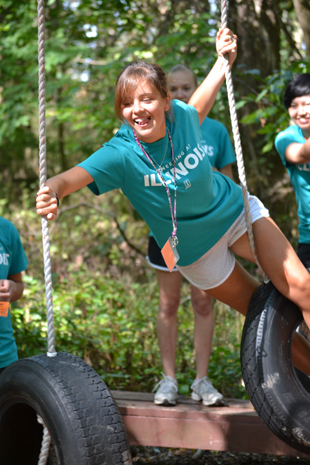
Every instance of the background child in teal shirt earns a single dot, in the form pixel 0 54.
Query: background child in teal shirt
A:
pixel 12 262
pixel 293 146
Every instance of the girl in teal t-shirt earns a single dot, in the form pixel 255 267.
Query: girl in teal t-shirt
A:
pixel 293 145
pixel 157 160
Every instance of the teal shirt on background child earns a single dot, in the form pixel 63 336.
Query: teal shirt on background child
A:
pixel 300 178
pixel 12 261
pixel 207 202
pixel 216 143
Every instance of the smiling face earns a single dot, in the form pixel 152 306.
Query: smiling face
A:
pixel 143 108
pixel 299 112
pixel 182 85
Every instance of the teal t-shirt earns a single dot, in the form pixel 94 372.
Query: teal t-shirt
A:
pixel 207 202
pixel 216 143
pixel 12 261
pixel 300 178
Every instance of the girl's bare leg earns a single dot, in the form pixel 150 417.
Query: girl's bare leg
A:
pixel 203 329
pixel 237 290
pixel 279 260
pixel 167 321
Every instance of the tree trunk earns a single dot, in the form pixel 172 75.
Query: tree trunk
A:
pixel 258 30
pixel 302 8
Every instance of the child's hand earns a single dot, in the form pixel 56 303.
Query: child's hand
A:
pixel 226 43
pixel 5 290
pixel 46 203
pixel 11 289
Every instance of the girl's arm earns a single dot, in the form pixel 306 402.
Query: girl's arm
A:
pixel 298 153
pixel 203 98
pixel 63 184
pixel 227 171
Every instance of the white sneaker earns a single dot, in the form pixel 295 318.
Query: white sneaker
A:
pixel 167 392
pixel 202 389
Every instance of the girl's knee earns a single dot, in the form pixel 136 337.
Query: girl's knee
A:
pixel 299 288
pixel 168 307
pixel 202 306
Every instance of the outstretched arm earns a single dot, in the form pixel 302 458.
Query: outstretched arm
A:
pixel 203 98
pixel 62 185
pixel 298 153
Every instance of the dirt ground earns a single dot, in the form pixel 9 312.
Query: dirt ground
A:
pixel 163 456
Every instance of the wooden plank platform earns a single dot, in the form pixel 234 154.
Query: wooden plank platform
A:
pixel 234 427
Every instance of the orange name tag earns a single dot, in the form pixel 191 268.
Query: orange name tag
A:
pixel 170 254
pixel 4 308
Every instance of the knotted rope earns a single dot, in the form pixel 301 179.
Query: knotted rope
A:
pixel 238 147
pixel 45 233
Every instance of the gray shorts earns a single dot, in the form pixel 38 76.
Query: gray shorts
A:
pixel 216 265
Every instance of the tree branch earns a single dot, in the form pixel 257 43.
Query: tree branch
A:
pixel 290 39
pixel 104 212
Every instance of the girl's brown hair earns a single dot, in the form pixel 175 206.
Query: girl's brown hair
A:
pixel 129 78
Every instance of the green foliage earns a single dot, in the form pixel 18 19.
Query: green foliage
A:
pixel 271 113
pixel 269 118
pixel 112 325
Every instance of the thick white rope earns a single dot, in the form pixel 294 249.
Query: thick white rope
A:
pixel 46 441
pixel 45 447
pixel 238 147
pixel 42 147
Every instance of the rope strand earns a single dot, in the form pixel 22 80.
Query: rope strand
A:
pixel 42 162
pixel 46 441
pixel 238 147
pixel 45 445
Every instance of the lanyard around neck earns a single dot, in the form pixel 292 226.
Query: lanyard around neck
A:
pixel 172 211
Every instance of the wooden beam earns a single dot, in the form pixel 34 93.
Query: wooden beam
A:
pixel 234 427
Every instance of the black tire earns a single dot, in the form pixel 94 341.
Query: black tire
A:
pixel 76 406
pixel 276 389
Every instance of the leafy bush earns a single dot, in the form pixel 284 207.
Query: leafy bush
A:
pixel 112 325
